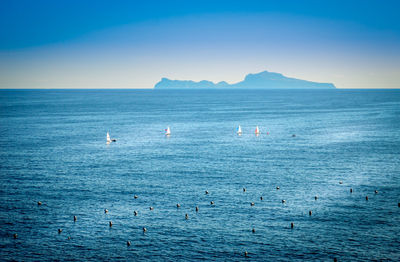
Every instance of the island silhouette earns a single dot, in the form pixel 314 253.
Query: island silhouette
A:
pixel 262 80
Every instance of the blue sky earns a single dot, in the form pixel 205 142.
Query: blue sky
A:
pixel 132 44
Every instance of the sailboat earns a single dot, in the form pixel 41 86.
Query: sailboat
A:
pixel 257 132
pixel 167 131
pixel 239 130
pixel 109 140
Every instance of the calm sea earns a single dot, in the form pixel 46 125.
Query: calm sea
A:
pixel 53 149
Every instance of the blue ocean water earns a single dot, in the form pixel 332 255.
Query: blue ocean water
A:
pixel 53 150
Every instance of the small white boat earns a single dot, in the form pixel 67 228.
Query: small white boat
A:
pixel 109 140
pixel 257 132
pixel 239 130
pixel 168 131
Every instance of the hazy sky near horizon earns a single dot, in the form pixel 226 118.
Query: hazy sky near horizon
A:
pixel 132 44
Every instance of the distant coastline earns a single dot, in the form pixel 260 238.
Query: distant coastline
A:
pixel 262 80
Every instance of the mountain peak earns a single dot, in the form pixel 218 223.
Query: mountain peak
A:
pixel 265 75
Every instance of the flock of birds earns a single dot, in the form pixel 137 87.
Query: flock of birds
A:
pixel 212 203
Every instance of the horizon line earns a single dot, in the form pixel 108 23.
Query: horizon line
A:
pixel 152 88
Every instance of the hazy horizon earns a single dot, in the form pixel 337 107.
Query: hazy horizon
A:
pixel 130 45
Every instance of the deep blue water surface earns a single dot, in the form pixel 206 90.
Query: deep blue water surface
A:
pixel 53 149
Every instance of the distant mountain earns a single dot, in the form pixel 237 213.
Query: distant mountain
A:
pixel 263 80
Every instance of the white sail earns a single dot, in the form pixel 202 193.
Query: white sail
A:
pixel 108 138
pixel 239 130
pixel 168 132
pixel 257 130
